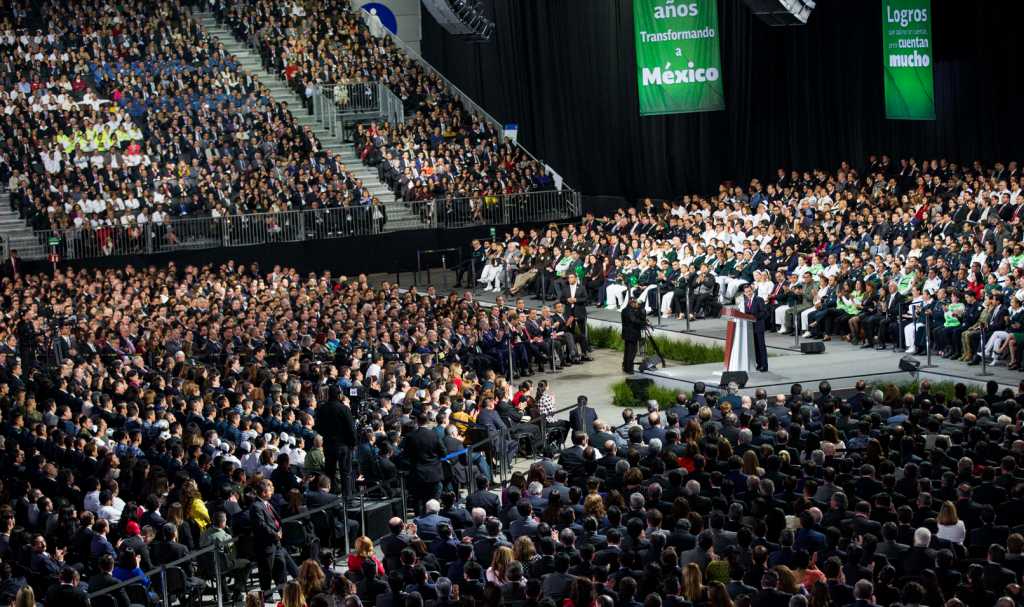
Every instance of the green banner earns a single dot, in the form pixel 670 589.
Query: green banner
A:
pixel 678 68
pixel 907 59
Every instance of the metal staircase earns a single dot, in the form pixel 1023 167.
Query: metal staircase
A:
pixel 16 234
pixel 400 217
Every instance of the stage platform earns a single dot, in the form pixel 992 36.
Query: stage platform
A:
pixel 842 364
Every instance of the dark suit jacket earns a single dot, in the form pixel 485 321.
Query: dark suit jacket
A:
pixel 572 460
pixel 556 586
pixel 264 528
pixel 335 423
pixel 757 309
pixel 423 451
pixel 522 527
pixel 46 565
pixel 579 309
pixel 105 580
pixel 391 547
pixel 486 500
pixel 589 415
pixel 65 595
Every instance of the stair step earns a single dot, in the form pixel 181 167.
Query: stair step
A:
pixel 400 216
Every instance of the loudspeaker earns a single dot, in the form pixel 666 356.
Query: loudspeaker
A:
pixel 909 364
pixel 651 362
pixel 740 377
pixel 812 347
pixel 639 387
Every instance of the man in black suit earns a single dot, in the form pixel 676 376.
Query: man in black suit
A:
pixel 42 562
pixel 571 459
pixel 335 424
pixel 319 494
pixel 556 585
pixel 633 322
pixel 422 451
pixel 266 530
pixel 889 324
pixel 483 498
pixel 103 579
pixel 753 304
pixel 12 265
pixel 573 295
pixel 67 591
pixel 392 545
pixel 589 416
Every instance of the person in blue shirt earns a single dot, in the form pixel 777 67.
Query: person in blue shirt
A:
pixel 128 568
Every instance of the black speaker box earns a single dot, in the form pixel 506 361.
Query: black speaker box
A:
pixel 909 364
pixel 378 512
pixel 740 377
pixel 639 387
pixel 812 347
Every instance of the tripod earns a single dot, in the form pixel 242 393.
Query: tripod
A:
pixel 648 342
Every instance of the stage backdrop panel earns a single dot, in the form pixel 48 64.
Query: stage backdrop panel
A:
pixel 678 67
pixel 907 59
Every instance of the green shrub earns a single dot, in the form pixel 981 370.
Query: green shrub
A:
pixel 946 388
pixel 622 396
pixel 679 350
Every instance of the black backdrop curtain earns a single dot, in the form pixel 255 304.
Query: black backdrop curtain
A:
pixel 798 97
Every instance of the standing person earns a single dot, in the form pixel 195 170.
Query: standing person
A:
pixel 272 562
pixel 422 451
pixel 755 306
pixel 574 297
pixel 334 422
pixel 633 322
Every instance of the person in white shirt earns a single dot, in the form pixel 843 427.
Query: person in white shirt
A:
pixel 951 528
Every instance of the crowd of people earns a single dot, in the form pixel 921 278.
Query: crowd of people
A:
pixel 922 255
pixel 145 410
pixel 147 414
pixel 121 116
pixel 441 151
pixel 126 114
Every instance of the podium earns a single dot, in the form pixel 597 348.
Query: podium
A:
pixel 739 343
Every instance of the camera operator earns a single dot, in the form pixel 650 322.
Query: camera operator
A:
pixel 335 423
pixel 633 322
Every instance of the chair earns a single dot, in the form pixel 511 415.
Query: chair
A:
pixel 293 537
pixel 323 526
pixel 103 600
pixel 177 586
pixel 137 594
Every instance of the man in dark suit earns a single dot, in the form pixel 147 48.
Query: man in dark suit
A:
pixel 266 530
pixel 422 451
pixel 67 591
pixel 426 525
pixel 335 424
pixel 573 295
pixel 391 545
pixel 43 563
pixel 103 579
pixel 633 322
pixel 753 304
pixel 589 415
pixel 318 495
pixel 525 524
pixel 12 265
pixel 889 547
pixel 556 585
pixel 483 498
pixel 572 458
pixel 920 556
